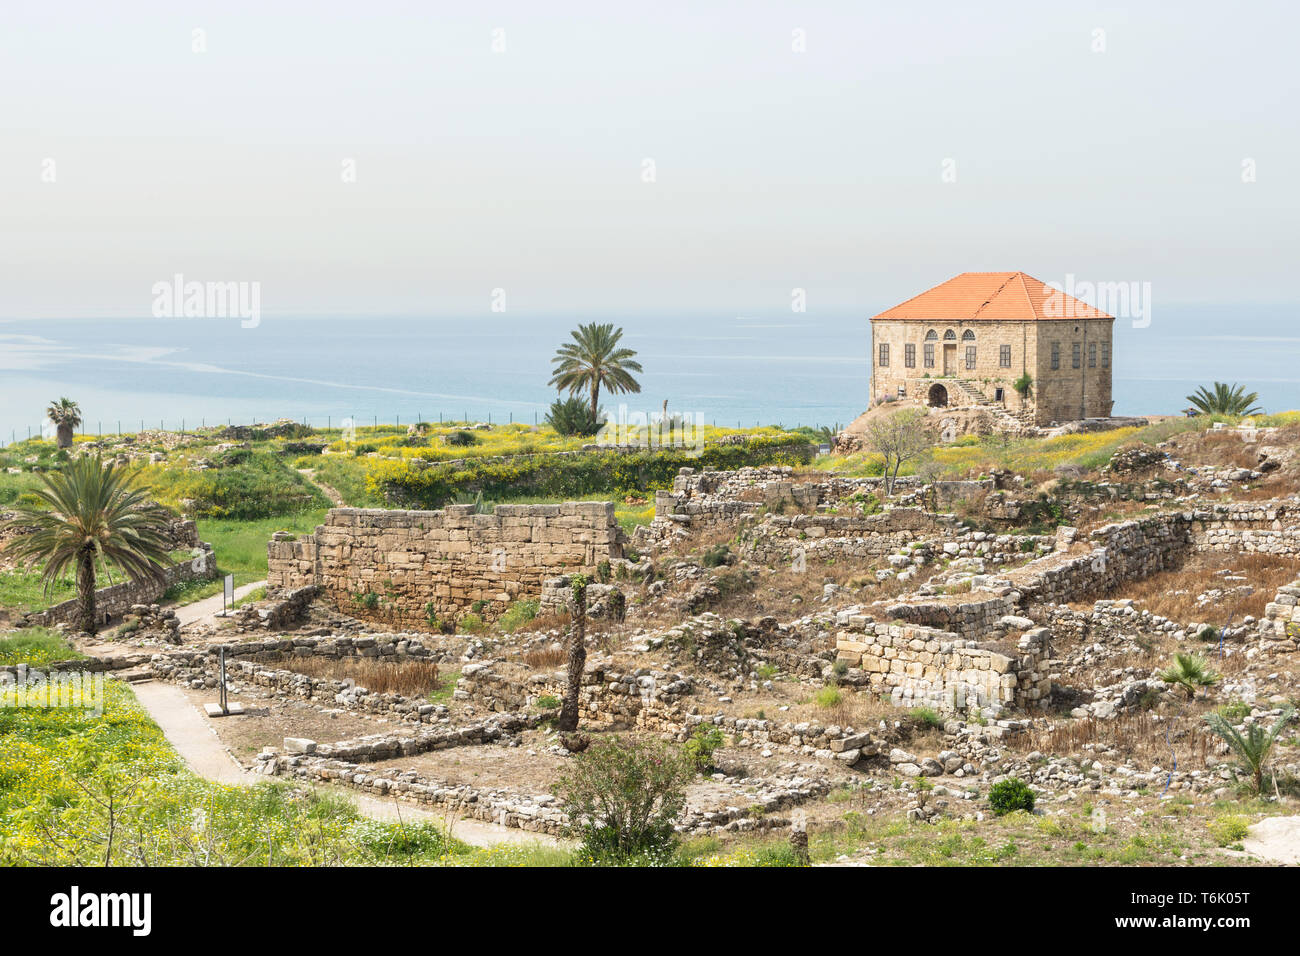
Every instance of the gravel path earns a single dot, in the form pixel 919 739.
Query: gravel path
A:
pixel 195 739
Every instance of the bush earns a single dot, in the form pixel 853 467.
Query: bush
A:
pixel 517 615
pixel 548 702
pixel 470 623
pixel 699 749
pixel 1230 829
pixel 623 797
pixel 1007 796
pixel 716 556
pixel 572 416
pixel 569 476
pixel 460 439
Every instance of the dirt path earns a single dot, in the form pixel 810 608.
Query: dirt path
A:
pixel 194 738
pixel 331 493
pixel 203 609
pixel 1276 839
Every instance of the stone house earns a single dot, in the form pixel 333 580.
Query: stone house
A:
pixel 969 340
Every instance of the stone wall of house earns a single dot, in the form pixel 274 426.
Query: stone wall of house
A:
pixel 1058 394
pixel 402 567
pixel 117 599
pixel 921 666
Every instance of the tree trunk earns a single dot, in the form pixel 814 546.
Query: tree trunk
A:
pixel 86 592
pixel 63 438
pixel 577 659
pixel 595 398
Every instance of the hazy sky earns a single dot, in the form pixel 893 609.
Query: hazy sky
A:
pixel 524 170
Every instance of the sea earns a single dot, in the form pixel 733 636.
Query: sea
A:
pixel 743 370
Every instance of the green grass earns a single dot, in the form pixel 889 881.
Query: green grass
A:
pixel 60 768
pixel 240 546
pixel 36 646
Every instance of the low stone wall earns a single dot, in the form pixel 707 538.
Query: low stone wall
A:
pixel 405 566
pixel 842 535
pixel 391 746
pixel 921 666
pixel 1268 527
pixel 117 599
pixel 1281 620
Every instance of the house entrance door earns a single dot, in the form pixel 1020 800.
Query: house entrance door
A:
pixel 950 360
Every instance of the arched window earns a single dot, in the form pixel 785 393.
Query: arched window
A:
pixel 932 336
pixel 950 336
pixel 968 335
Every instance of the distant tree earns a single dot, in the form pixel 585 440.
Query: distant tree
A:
pixel 65 415
pixel 1190 672
pixel 1225 400
pixel 90 512
pixel 592 360
pixel 898 438
pixel 1254 746
pixel 828 434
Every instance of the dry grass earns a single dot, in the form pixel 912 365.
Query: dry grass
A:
pixel 408 678
pixel 1173 593
pixel 545 658
pixel 1143 736
pixel 545 622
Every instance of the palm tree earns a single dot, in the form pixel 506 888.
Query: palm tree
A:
pixel 1189 672
pixel 91 512
pixel 577 656
pixel 594 359
pixel 1225 400
pixel 1252 748
pixel 66 415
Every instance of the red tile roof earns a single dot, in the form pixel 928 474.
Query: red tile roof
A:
pixel 974 296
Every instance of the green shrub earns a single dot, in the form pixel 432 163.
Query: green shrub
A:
pixel 460 439
pixel 928 717
pixel 470 623
pixel 700 747
pixel 715 556
pixel 829 697
pixel 568 476
pixel 517 615
pixel 624 796
pixel 1229 829
pixel 367 599
pixel 548 702
pixel 572 416
pixel 1010 795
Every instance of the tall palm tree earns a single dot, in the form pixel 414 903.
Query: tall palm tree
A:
pixel 65 414
pixel 91 512
pixel 1225 400
pixel 594 359
pixel 1253 747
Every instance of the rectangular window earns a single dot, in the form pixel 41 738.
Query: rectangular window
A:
pixel 909 356
pixel 1076 354
pixel 1105 355
pixel 884 355
pixel 929 356
pixel 970 356
pixel 1004 356
pixel 1092 355
pixel 1056 355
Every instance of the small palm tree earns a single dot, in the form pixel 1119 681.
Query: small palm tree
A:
pixel 1253 747
pixel 65 415
pixel 1189 672
pixel 827 434
pixel 91 512
pixel 594 359
pixel 1225 400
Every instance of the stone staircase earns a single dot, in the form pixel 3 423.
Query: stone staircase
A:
pixel 969 394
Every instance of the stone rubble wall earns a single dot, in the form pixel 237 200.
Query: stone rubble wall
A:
pixel 117 599
pixel 842 535
pixel 392 746
pixel 1269 527
pixel 1281 620
pixel 922 666
pixel 401 566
